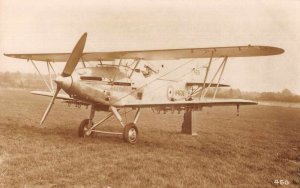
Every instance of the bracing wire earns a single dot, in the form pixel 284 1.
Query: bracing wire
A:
pixel 176 68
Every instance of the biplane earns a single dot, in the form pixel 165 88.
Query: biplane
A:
pixel 123 84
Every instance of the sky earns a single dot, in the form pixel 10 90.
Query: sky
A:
pixel 49 26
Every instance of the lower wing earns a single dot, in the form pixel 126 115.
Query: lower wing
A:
pixel 65 97
pixel 162 105
pixel 50 94
pixel 191 104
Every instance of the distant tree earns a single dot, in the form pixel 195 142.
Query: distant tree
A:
pixel 270 96
pixel 286 93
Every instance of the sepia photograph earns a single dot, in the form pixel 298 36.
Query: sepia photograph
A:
pixel 141 93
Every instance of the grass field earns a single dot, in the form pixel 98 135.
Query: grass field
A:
pixel 252 150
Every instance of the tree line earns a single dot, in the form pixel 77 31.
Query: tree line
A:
pixel 284 96
pixel 21 80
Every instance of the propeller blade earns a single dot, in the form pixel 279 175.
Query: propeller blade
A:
pixel 74 57
pixel 50 105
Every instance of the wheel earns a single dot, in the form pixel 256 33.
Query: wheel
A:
pixel 130 133
pixel 83 130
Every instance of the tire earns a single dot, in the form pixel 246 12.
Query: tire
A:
pixel 130 133
pixel 82 130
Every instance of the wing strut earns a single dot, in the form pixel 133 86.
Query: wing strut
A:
pixel 83 63
pixel 52 68
pixel 50 77
pixel 220 78
pixel 207 71
pixel 221 66
pixel 100 61
pixel 136 64
pixel 41 75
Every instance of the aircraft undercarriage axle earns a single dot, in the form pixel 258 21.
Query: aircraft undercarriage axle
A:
pixel 130 131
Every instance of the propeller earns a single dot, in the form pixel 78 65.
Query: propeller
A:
pixel 50 105
pixel 68 70
pixel 74 57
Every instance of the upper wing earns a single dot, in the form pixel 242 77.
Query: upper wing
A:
pixel 169 54
pixel 191 104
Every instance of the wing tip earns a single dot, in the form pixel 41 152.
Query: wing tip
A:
pixel 19 56
pixel 7 55
pixel 273 50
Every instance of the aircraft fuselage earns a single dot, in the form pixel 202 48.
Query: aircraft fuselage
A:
pixel 111 86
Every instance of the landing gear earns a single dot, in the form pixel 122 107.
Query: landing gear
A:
pixel 130 133
pixel 84 129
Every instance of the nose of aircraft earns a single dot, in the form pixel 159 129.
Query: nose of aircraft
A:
pixel 64 82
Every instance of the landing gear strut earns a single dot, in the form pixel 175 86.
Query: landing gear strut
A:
pixel 130 131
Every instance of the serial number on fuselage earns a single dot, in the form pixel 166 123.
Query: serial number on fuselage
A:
pixel 180 92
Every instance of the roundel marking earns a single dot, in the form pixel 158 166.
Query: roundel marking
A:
pixel 170 93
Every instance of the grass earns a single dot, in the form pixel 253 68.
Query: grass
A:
pixel 252 150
